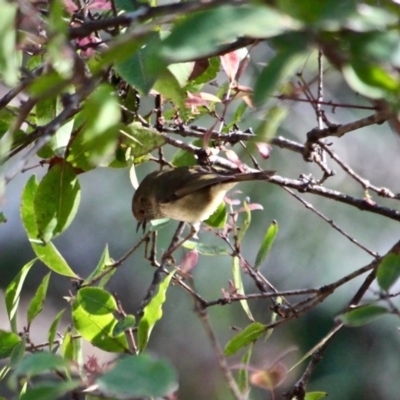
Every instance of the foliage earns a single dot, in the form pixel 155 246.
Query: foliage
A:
pixel 86 72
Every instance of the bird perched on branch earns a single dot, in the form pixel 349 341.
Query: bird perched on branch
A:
pixel 188 194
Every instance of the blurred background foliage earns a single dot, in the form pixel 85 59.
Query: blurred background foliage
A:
pixel 361 48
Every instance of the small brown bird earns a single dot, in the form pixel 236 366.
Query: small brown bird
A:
pixel 189 194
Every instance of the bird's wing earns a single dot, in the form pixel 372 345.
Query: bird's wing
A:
pixel 202 181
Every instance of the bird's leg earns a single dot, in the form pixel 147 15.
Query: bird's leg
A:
pixel 175 245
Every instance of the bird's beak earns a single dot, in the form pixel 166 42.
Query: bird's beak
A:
pixel 142 224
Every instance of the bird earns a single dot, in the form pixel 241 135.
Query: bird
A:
pixel 187 193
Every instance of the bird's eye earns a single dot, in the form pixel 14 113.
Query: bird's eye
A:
pixel 141 211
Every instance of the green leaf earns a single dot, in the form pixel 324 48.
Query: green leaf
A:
pixel 48 254
pixel 3 219
pixel 50 83
pixel 35 364
pixel 315 395
pixel 53 329
pixel 92 315
pixel 141 139
pixel 50 390
pixel 8 341
pixel 219 26
pixel 181 72
pixel 152 313
pixel 206 250
pixel 238 282
pixel 183 157
pixel 168 86
pixel 371 80
pixel 218 218
pixel 272 121
pixel 247 336
pixel 18 353
pixel 67 347
pixel 56 201
pixel 266 244
pixel 36 304
pixel 9 57
pixel 126 323
pixel 13 294
pixel 208 75
pixel 122 47
pixel 95 145
pixel 243 378
pixel 362 315
pixel 327 14
pixel 103 265
pixel 246 222
pixel 138 377
pixel 135 70
pixel 46 110
pixel 281 67
pixel 388 271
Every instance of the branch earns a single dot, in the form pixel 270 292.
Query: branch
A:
pixel 310 187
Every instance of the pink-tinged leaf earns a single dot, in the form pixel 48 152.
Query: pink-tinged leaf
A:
pixel 88 45
pixel 230 62
pixel 249 102
pixel 368 200
pixel 250 207
pixel 69 6
pixel 100 5
pixel 241 89
pixel 243 64
pixel 189 261
pixel 207 136
pixel 264 149
pixel 234 158
pixel 200 99
pixel 269 378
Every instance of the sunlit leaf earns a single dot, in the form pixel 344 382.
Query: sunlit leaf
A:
pixel 100 123
pixel 152 313
pixel 56 201
pixel 48 254
pixel 102 266
pixel 13 293
pixel 36 304
pixel 93 318
pixel 8 341
pixel 218 218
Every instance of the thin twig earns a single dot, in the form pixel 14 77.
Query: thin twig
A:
pixel 331 223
